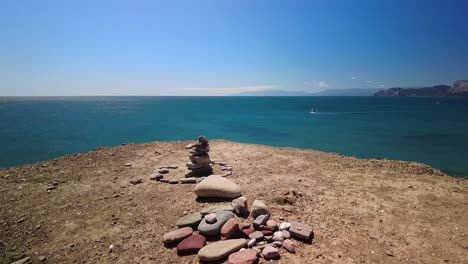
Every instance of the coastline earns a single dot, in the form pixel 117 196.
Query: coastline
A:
pixel 372 210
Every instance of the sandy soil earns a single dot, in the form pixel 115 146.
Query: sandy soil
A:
pixel 363 211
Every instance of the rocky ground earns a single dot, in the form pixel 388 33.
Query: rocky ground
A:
pixel 363 211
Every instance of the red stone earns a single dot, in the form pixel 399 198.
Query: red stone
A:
pixel 229 228
pixel 191 244
pixel 289 246
pixel 266 232
pixel 301 231
pixel 248 231
pixel 247 256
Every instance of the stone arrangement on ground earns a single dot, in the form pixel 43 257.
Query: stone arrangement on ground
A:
pixel 198 168
pixel 233 237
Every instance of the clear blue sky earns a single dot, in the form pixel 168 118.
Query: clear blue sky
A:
pixel 221 47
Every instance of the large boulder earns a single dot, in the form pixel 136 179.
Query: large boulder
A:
pixel 217 187
pixel 221 249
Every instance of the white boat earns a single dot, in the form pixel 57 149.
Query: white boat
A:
pixel 312 111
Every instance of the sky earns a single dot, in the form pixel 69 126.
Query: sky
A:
pixel 220 47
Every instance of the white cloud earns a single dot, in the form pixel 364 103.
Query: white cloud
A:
pixel 382 85
pixel 353 78
pixel 323 84
pixel 368 81
pixel 220 91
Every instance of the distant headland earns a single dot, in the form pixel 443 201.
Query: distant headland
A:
pixel 459 88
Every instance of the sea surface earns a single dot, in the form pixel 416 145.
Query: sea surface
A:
pixel 429 130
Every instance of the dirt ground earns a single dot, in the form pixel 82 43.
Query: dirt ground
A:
pixel 363 211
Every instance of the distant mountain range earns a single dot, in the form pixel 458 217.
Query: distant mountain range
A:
pixel 459 88
pixel 330 92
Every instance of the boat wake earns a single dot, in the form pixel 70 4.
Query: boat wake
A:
pixel 348 113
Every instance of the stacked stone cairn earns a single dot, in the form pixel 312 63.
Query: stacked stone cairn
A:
pixel 231 237
pixel 200 163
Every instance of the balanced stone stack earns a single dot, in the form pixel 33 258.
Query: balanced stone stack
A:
pixel 200 163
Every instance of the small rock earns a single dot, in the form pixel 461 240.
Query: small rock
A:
pixel 272 223
pixel 51 187
pixel 135 182
pixel 221 163
pixel 111 248
pixel 270 252
pixel 155 176
pixel 240 206
pixel 163 171
pixel 284 226
pixel 220 249
pixel 278 236
pixel 251 242
pixel 229 229
pixel 210 218
pixel 173 181
pixel 257 235
pixel 259 208
pixel 286 234
pixel 267 232
pixel 248 231
pixel 164 180
pixel 189 180
pixel 41 258
pixel 189 146
pixel 301 231
pixel 173 166
pixel 289 246
pixel 191 220
pixel 246 256
pixel 129 164
pixel 260 220
pixel 278 244
pixel 177 235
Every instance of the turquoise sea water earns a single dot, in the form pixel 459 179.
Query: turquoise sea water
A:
pixel 418 129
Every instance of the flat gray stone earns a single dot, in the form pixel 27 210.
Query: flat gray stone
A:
pixel 192 220
pixel 257 235
pixel 216 208
pixel 214 229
